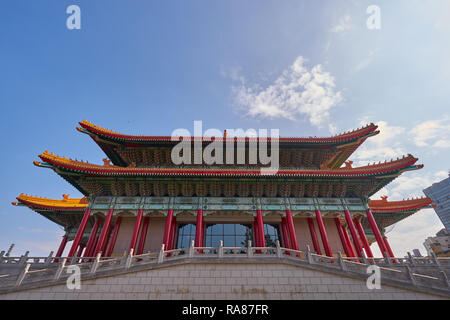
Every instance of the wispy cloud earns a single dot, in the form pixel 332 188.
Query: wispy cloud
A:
pixel 365 62
pixel 384 146
pixel 345 24
pixel 297 93
pixel 435 133
pixel 409 185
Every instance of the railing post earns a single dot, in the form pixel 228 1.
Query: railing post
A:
pixel 220 248
pixel 124 258
pixel 191 249
pixel 410 275
pixel 278 249
pixel 249 249
pixel 96 262
pixel 411 259
pixel 49 258
pixel 341 262
pixel 22 274
pixel 8 254
pixel 60 269
pixel 386 258
pixel 435 259
pixel 364 258
pixel 444 275
pixel 129 259
pixel 24 258
pixel 308 255
pixel 161 254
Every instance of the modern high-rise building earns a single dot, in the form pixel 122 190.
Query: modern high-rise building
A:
pixel 440 244
pixel 440 194
pixel 417 253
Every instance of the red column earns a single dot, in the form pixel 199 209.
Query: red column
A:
pixel 260 223
pixel 388 247
pixel 91 242
pixel 376 232
pixel 143 236
pixel 355 238
pixel 62 246
pixel 104 233
pixel 80 250
pixel 114 237
pixel 167 229
pixel 94 246
pixel 137 226
pixel 106 243
pixel 312 231
pixel 323 234
pixel 363 237
pixel 256 233
pixel 351 252
pixel 290 227
pixel 342 237
pixel 285 233
pixel 199 229
pixel 80 232
pixel 172 233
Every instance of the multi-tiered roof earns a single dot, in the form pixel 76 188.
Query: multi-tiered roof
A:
pixel 331 152
pixel 142 166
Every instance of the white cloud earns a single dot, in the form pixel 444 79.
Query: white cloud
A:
pixel 411 233
pixel 234 73
pixel 434 133
pixel 410 185
pixel 384 146
pixel 366 61
pixel 299 91
pixel 344 25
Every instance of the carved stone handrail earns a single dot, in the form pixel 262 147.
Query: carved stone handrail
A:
pixel 422 273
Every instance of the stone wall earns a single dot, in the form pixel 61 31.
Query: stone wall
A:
pixel 304 235
pixel 154 237
pixel 222 281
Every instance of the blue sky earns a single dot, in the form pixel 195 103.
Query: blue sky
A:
pixel 147 67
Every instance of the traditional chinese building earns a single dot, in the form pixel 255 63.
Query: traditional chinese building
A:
pixel 139 200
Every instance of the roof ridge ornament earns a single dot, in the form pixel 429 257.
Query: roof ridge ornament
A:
pixel 107 162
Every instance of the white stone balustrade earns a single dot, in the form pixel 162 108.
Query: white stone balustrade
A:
pixel 421 272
